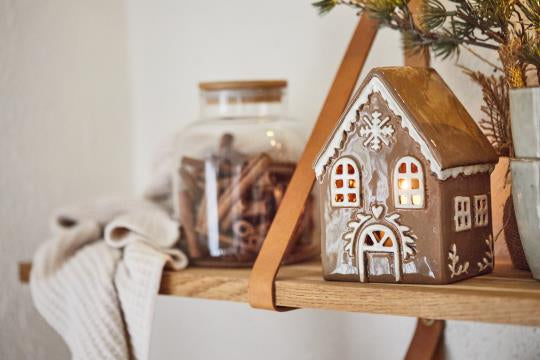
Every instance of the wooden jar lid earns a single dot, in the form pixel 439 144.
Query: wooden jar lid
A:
pixel 252 91
pixel 241 85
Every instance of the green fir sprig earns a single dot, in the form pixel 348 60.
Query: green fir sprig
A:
pixel 511 27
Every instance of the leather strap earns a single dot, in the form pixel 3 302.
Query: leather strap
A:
pixel 261 283
pixel 422 58
pixel 427 342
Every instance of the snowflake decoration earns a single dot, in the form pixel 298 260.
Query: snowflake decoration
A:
pixel 376 131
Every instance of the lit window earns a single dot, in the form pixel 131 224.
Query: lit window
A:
pixel 345 183
pixel 462 213
pixel 481 210
pixel 409 184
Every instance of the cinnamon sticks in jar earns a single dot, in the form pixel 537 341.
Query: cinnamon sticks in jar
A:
pixel 227 202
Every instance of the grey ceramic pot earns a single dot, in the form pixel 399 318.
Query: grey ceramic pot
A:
pixel 525 112
pixel 526 194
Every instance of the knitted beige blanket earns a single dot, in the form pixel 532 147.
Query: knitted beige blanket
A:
pixel 96 279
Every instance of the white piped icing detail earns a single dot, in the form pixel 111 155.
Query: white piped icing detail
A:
pixel 466 170
pixel 376 131
pixel 487 261
pixel 375 85
pixel 456 269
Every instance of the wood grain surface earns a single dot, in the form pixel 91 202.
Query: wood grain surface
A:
pixel 507 296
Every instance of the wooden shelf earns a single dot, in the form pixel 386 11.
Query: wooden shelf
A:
pixel 507 296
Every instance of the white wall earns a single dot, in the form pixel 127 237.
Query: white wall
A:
pixel 220 330
pixel 64 137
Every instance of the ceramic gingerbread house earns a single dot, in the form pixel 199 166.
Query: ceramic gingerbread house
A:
pixel 405 184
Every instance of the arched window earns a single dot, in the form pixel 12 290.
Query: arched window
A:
pixel 345 183
pixel 409 184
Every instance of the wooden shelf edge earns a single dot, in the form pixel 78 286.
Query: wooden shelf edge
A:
pixel 507 296
pixel 24 272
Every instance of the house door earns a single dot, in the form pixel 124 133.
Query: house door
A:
pixel 378 255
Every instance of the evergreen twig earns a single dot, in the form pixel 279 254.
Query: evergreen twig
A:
pixel 496 108
pixel 510 27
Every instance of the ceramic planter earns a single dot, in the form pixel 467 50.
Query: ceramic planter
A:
pixel 504 217
pixel 511 236
pixel 526 193
pixel 525 112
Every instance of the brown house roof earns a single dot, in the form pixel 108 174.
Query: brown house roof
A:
pixel 432 115
pixel 449 131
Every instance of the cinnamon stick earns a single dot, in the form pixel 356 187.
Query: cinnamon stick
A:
pixel 195 163
pixel 187 223
pixel 188 180
pixel 236 212
pixel 282 168
pixel 254 169
pixel 242 229
pixel 201 216
pixel 227 240
pixel 251 243
pixel 256 208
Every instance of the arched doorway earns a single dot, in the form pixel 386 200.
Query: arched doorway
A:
pixel 377 253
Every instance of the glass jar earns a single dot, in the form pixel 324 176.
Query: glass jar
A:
pixel 234 166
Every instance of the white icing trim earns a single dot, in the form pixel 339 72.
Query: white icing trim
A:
pixel 487 261
pixel 456 269
pixel 466 170
pixel 346 124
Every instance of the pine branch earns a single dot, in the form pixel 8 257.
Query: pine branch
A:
pixel 510 27
pixel 531 52
pixel 325 6
pixel 496 108
pixel 531 10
